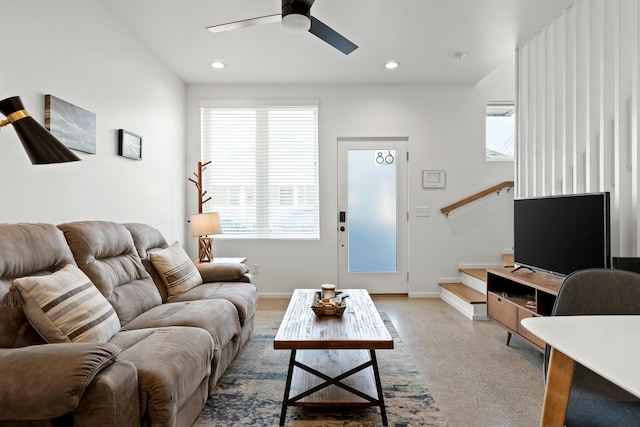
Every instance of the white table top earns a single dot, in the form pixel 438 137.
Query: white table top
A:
pixel 608 345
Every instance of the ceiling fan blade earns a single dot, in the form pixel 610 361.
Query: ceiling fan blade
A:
pixel 269 19
pixel 329 35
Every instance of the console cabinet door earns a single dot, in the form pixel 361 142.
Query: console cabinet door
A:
pixel 525 314
pixel 502 310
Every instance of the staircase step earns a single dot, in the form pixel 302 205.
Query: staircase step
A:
pixel 464 292
pixel 478 273
pixel 466 300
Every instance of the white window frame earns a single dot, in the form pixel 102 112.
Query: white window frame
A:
pixel 499 155
pixel 270 205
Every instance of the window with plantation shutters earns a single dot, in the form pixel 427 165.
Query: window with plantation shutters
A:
pixel 263 176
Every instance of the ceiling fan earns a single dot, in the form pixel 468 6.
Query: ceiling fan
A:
pixel 296 17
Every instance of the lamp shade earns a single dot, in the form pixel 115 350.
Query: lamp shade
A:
pixel 205 224
pixel 41 146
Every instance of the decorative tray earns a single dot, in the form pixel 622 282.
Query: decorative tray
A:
pixel 332 307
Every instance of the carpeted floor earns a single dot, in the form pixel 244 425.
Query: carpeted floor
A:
pixel 250 392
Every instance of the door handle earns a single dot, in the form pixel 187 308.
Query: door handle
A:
pixel 342 228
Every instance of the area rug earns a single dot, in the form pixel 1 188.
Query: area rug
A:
pixel 250 392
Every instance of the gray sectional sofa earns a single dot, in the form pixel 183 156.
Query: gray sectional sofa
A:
pixel 106 324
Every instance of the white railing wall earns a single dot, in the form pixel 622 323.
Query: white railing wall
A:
pixel 577 111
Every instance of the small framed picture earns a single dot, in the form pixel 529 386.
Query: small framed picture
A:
pixel 129 145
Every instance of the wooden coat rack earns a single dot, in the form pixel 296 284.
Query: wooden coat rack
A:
pixel 202 195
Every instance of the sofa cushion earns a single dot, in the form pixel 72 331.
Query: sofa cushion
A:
pixel 217 316
pixel 223 271
pixel 33 389
pixel 177 271
pixel 172 363
pixel 26 250
pixel 104 251
pixel 147 239
pixel 66 307
pixel 244 296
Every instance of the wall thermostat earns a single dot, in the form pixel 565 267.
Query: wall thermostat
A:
pixel 433 179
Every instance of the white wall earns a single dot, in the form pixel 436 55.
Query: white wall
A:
pixel 578 111
pixel 445 127
pixel 78 51
pixel 91 60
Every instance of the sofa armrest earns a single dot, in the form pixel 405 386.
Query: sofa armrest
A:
pixel 111 400
pixel 47 381
pixel 224 272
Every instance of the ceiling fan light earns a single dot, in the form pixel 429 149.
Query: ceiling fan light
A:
pixel 296 23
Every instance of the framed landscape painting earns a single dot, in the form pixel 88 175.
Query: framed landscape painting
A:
pixel 75 127
pixel 129 145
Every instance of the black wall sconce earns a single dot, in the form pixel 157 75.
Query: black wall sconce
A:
pixel 40 145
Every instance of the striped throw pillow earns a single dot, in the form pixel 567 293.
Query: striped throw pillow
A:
pixel 66 307
pixel 178 272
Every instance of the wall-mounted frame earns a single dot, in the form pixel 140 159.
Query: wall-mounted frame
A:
pixel 75 127
pixel 433 178
pixel 129 145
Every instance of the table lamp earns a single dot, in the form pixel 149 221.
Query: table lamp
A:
pixel 203 225
pixel 41 146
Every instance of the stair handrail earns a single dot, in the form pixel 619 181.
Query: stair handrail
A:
pixel 495 189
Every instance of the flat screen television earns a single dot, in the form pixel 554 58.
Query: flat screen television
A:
pixel 562 234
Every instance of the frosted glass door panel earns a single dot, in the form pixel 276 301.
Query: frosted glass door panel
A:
pixel 372 211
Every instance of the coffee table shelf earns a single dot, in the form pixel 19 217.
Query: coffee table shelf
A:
pixel 331 362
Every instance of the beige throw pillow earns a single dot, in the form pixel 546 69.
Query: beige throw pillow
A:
pixel 178 272
pixel 66 307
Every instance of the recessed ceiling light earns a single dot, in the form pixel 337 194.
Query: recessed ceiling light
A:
pixel 391 65
pixel 218 65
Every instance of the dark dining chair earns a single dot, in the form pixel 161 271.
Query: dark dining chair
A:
pixel 595 401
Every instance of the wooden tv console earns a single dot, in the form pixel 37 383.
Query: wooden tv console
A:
pixel 513 296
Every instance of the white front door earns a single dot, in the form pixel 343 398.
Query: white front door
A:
pixel 372 214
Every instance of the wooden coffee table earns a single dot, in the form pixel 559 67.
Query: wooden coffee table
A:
pixel 343 347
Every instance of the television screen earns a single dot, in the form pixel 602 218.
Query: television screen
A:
pixel 562 234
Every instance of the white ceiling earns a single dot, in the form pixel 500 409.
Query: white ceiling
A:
pixel 421 34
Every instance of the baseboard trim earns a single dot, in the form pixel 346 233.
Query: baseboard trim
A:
pixel 424 295
pixel 274 295
pixel 410 294
pixel 479 266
